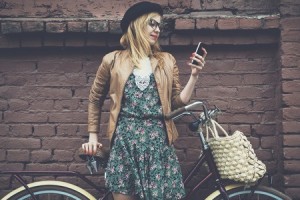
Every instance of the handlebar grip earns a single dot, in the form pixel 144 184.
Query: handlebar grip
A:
pixel 175 113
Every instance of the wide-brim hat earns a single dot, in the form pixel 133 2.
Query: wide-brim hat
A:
pixel 138 10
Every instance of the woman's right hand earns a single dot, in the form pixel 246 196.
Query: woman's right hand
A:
pixel 92 145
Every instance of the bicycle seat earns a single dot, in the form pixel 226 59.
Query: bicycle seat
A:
pixel 94 161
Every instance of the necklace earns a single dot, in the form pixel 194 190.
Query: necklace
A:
pixel 142 76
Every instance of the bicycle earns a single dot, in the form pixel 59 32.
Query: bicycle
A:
pixel 63 190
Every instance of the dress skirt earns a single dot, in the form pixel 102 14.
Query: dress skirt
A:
pixel 141 162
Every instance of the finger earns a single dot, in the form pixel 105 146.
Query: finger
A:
pixel 94 149
pixel 205 52
pixel 195 66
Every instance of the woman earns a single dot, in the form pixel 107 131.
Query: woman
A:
pixel 143 85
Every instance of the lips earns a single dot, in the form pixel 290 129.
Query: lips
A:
pixel 154 36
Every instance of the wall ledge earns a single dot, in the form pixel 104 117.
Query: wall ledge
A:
pixel 172 22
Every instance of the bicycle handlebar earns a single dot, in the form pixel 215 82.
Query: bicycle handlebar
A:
pixel 187 108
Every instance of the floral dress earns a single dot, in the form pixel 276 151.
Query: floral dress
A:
pixel 141 162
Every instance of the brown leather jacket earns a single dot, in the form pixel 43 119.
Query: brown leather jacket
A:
pixel 110 79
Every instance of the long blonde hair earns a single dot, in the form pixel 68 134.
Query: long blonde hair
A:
pixel 135 39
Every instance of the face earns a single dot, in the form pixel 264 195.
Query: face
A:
pixel 153 29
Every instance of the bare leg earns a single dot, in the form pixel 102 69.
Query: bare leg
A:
pixel 118 196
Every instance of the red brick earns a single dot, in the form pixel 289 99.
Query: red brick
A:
pixel 71 104
pixel 68 117
pixel 290 48
pixel 40 156
pixel 70 79
pixel 290 61
pixel 216 92
pixel 42 105
pixel 62 143
pixel 230 79
pixel 292 180
pixel 246 118
pixel 291 153
pixel 290 73
pixel 20 130
pixel 246 129
pixel 291 86
pixel 292 166
pixel 290 126
pixel 290 23
pixel 250 23
pixel 32 26
pixel 18 155
pixel 56 27
pixel 264 104
pixel 254 92
pixel 264 154
pixel 260 79
pixel 18 104
pixel 18 66
pixel 115 27
pixel 46 167
pixel 184 24
pixel 264 129
pixel 206 23
pixel 11 27
pixel 63 156
pixel 3 104
pixel 63 66
pixel 20 143
pixel 11 166
pixel 271 22
pixel 78 27
pixel 291 113
pixel 187 143
pixel 44 130
pixel 2 155
pixel 14 117
pixel 291 99
pixel 180 39
pixel 98 26
pixel 67 130
pixel 290 36
pixel 81 168
pixel 227 23
pixel 4 129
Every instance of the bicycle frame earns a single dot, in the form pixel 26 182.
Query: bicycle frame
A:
pixel 206 156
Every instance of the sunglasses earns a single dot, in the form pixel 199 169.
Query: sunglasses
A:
pixel 154 24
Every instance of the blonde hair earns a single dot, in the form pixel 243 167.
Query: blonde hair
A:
pixel 135 39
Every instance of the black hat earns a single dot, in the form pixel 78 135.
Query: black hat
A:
pixel 138 10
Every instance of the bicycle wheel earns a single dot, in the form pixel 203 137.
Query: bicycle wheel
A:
pixel 50 190
pixel 261 193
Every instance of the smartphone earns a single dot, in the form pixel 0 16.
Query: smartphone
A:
pixel 199 51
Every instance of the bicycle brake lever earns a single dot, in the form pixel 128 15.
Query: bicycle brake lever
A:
pixel 89 165
pixel 93 163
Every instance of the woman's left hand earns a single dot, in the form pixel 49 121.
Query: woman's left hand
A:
pixel 200 62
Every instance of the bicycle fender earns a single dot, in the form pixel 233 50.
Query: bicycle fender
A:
pixel 217 192
pixel 54 183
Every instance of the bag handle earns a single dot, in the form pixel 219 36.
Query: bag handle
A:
pixel 212 126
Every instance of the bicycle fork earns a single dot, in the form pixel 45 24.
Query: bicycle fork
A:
pixel 212 165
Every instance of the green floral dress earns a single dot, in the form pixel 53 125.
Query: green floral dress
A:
pixel 141 162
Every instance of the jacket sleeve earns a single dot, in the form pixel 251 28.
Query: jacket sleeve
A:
pixel 176 86
pixel 98 93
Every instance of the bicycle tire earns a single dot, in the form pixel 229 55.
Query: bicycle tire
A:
pixel 50 190
pixel 261 193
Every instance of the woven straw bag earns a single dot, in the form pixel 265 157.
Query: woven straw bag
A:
pixel 234 155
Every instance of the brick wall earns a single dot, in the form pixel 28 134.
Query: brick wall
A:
pixel 50 51
pixel 290 107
